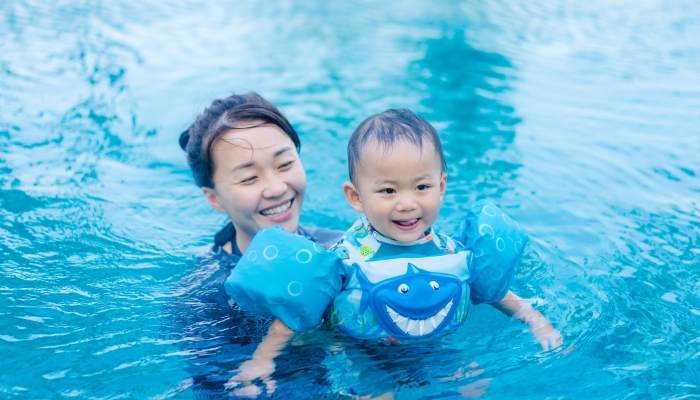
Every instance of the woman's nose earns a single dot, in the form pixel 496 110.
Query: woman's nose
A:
pixel 276 187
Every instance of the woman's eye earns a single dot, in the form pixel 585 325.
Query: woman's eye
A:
pixel 249 180
pixel 286 165
pixel 388 191
pixel 422 187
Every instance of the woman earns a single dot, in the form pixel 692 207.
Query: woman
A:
pixel 244 155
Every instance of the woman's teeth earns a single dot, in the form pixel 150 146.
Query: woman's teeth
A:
pixel 271 212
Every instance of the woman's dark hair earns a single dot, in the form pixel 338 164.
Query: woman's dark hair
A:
pixel 222 116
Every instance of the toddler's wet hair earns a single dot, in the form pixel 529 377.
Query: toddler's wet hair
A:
pixel 388 127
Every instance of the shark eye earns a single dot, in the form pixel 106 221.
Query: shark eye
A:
pixel 403 288
pixel 435 285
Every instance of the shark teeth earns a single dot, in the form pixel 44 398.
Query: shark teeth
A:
pixel 419 327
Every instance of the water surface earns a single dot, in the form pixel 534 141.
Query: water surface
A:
pixel 580 120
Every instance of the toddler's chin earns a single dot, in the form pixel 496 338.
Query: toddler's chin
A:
pixel 407 237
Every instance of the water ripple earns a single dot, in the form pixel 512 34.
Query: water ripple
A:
pixel 578 119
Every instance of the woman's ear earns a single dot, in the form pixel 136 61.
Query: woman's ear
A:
pixel 443 185
pixel 353 197
pixel 210 194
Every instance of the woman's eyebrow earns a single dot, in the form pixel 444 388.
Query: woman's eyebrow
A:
pixel 250 164
pixel 242 166
pixel 282 150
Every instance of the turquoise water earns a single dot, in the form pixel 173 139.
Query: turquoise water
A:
pixel 579 119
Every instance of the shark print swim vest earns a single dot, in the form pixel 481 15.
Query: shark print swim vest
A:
pixel 370 286
pixel 401 290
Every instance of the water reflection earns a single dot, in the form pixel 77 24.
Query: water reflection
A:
pixel 215 338
pixel 93 220
pixel 79 287
pixel 467 103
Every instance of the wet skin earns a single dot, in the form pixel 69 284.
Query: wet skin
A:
pixel 400 189
pixel 259 180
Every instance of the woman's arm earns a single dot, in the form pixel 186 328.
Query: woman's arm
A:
pixel 262 365
pixel 514 306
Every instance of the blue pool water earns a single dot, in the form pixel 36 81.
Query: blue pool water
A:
pixel 580 119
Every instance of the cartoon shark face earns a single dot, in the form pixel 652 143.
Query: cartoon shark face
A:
pixel 416 304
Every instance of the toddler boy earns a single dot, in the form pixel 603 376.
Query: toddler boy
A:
pixel 404 280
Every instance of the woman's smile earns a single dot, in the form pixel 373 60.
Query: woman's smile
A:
pixel 279 212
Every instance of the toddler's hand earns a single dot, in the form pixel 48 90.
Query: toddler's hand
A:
pixel 548 337
pixel 256 368
pixel 517 307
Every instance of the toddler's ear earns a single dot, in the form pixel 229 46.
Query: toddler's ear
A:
pixel 353 197
pixel 443 185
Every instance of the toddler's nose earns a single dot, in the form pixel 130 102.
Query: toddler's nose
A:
pixel 406 203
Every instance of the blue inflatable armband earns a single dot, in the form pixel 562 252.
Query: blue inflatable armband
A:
pixel 497 244
pixel 286 276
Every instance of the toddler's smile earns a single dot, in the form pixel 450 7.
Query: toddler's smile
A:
pixel 406 224
pixel 400 189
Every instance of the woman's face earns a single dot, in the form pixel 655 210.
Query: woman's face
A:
pixel 258 180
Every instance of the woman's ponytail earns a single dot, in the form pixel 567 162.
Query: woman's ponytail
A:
pixel 184 138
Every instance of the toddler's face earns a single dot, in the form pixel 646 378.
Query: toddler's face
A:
pixel 400 190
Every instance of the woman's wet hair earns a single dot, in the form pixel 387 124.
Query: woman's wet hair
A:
pixel 220 117
pixel 388 127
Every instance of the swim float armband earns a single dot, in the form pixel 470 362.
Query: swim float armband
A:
pixel 287 276
pixel 497 244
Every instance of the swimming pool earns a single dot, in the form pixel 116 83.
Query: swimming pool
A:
pixel 579 120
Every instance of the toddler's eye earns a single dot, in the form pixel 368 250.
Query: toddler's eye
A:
pixel 434 285
pixel 422 187
pixel 403 288
pixel 388 191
